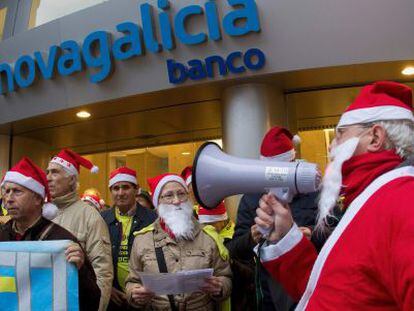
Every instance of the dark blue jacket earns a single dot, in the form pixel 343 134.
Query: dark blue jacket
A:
pixel 143 217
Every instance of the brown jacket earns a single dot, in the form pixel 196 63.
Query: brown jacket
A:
pixel 87 225
pixel 200 253
pixel 89 293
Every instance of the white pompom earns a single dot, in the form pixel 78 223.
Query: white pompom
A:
pixel 49 211
pixel 94 169
pixel 296 140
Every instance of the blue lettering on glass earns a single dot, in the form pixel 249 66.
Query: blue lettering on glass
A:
pixel 47 69
pixel 249 14
pixel 101 41
pixel 70 61
pixel 197 69
pixel 129 45
pixel 148 25
pixel 250 55
pixel 213 21
pixel 231 60
pixel 165 26
pixel 180 29
pixel 6 79
pixel 98 52
pixel 25 71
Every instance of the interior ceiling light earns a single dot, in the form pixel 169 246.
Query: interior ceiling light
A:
pixel 83 115
pixel 186 153
pixel 408 71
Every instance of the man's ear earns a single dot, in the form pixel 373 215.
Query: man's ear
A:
pixel 73 182
pixel 378 139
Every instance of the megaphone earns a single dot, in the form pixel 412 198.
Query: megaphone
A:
pixel 217 175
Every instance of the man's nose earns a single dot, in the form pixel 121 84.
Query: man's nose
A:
pixel 176 200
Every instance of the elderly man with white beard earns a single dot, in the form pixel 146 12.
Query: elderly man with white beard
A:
pixel 179 240
pixel 368 261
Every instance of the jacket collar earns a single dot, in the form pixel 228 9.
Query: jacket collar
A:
pixel 32 233
pixel 66 200
pixel 138 216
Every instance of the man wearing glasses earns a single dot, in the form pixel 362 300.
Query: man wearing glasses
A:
pixel 368 261
pixel 176 242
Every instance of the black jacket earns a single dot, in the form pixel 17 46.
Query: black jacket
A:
pixel 89 292
pixel 304 211
pixel 143 217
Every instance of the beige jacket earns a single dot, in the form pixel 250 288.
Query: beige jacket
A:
pixel 87 225
pixel 200 253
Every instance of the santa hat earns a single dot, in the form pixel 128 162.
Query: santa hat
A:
pixel 71 162
pixel 94 199
pixel 27 174
pixel 383 100
pixel 123 174
pixel 157 183
pixel 212 215
pixel 187 175
pixel 278 144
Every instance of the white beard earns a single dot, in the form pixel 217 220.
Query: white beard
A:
pixel 179 219
pixel 332 181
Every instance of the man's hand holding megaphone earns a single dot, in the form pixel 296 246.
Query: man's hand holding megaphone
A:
pixel 274 217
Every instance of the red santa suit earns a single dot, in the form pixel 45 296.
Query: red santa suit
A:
pixel 368 261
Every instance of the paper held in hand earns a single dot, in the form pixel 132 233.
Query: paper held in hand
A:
pixel 175 283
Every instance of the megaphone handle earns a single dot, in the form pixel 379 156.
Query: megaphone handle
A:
pixel 264 231
pixel 284 198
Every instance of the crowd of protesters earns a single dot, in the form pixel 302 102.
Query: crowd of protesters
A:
pixel 359 230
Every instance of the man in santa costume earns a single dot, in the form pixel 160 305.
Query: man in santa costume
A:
pixel 368 261
pixel 79 218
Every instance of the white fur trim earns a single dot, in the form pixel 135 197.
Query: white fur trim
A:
pixel 289 241
pixel 162 183
pixel 380 113
pixel 202 219
pixel 49 211
pixel 27 182
pixel 350 214
pixel 283 157
pixel 67 166
pixel 122 177
pixel 189 180
pixel 95 169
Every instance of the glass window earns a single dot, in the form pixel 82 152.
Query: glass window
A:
pixel 314 146
pixel 3 14
pixel 44 11
pixel 148 162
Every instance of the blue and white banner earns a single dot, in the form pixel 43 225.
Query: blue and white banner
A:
pixel 35 276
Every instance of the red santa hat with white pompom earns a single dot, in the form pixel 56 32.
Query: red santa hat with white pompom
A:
pixel 380 101
pixel 27 174
pixel 279 145
pixel 71 162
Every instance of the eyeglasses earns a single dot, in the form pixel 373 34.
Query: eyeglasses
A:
pixel 340 130
pixel 169 196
